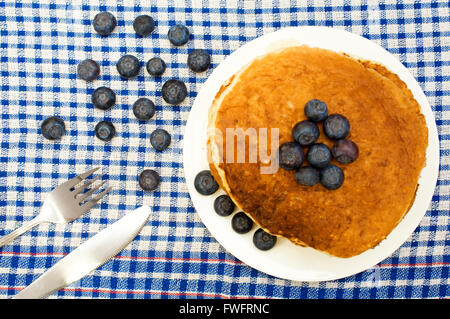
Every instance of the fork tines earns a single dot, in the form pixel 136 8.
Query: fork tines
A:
pixel 78 191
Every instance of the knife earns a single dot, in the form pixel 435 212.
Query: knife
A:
pixel 88 256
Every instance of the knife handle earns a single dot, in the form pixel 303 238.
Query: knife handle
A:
pixel 43 287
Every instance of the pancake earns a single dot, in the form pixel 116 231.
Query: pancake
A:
pixel 386 124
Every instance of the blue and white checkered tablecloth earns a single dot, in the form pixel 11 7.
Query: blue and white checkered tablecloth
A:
pixel 175 256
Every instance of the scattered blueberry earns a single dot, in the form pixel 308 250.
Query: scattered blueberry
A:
pixel 156 66
pixel 178 35
pixel 263 240
pixel 241 223
pixel 331 177
pixel 305 133
pixel 316 110
pixel 149 180
pixel 104 23
pixel 290 155
pixel 144 109
pixel 160 139
pixel 174 91
pixel 103 98
pixel 223 205
pixel 199 60
pixel 345 151
pixel 307 176
pixel 205 183
pixel 105 130
pixel 128 66
pixel 336 126
pixel 144 25
pixel 319 155
pixel 88 70
pixel 53 128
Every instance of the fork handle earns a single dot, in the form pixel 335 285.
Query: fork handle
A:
pixel 19 231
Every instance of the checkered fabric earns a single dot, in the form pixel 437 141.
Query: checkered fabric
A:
pixel 175 256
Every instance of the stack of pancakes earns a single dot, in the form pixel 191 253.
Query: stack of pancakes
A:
pixel 386 124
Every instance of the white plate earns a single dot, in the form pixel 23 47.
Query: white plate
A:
pixel 287 260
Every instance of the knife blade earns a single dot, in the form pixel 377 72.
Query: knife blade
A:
pixel 88 256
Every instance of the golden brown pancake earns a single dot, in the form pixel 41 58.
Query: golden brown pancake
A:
pixel 385 122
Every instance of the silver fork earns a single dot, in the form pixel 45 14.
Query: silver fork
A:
pixel 62 204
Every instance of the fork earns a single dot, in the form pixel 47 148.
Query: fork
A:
pixel 62 204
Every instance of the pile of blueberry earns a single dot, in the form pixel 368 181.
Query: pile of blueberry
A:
pixel 224 206
pixel 173 91
pixel 305 134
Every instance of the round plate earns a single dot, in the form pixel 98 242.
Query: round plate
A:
pixel 287 260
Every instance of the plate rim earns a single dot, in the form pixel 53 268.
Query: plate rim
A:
pixel 408 223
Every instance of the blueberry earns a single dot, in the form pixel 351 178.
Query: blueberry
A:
pixel 88 70
pixel 307 176
pixel 223 205
pixel 263 240
pixel 305 133
pixel 156 66
pixel 316 110
pixel 345 151
pixel 290 155
pixel 105 130
pixel 331 177
pixel 149 180
pixel 178 35
pixel 144 25
pixel 128 66
pixel 103 98
pixel 160 139
pixel 104 23
pixel 241 223
pixel 53 128
pixel 319 155
pixel 174 91
pixel 199 60
pixel 144 109
pixel 336 126
pixel 205 183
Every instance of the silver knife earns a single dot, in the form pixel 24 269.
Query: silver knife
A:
pixel 88 256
